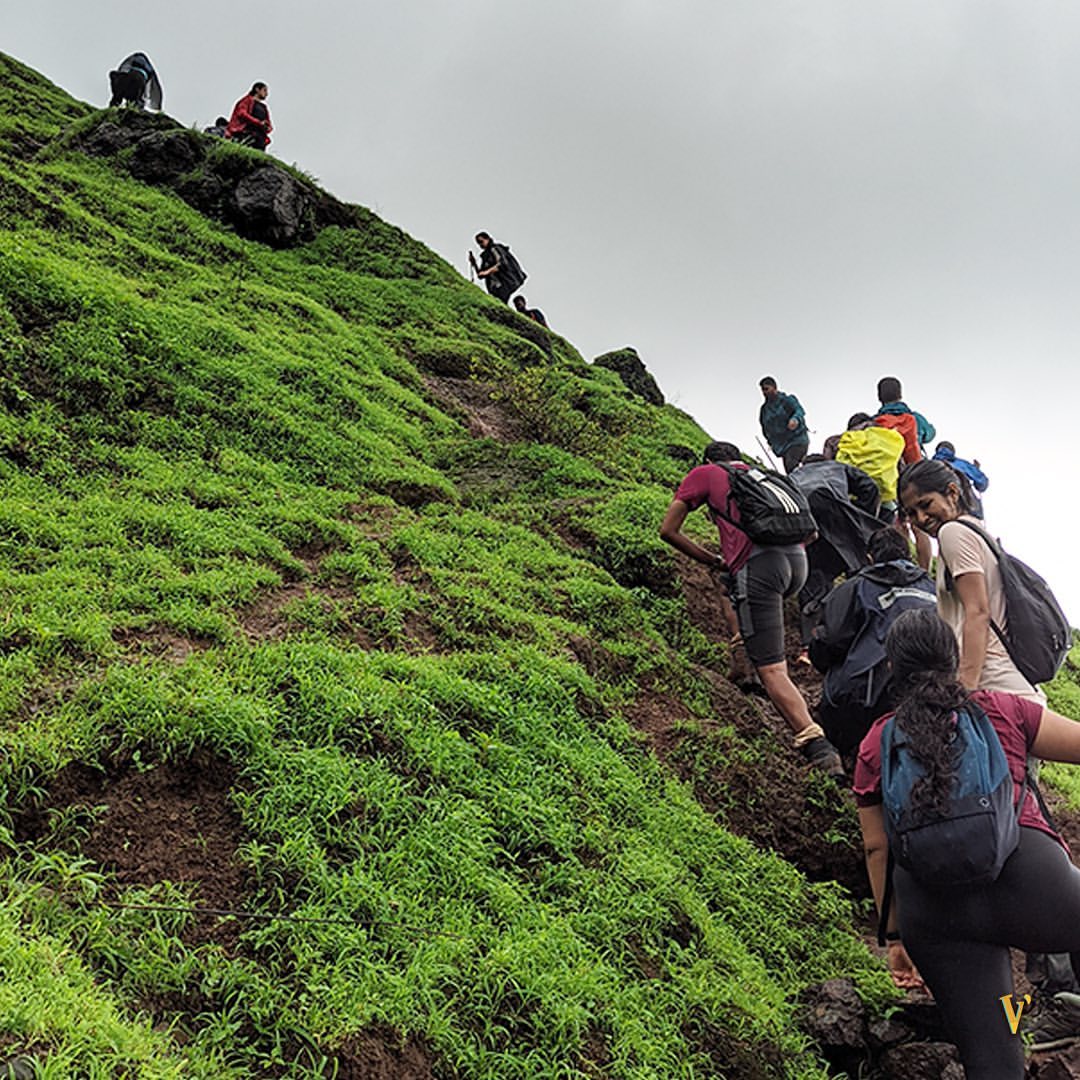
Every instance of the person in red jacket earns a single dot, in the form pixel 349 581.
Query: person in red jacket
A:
pixel 250 121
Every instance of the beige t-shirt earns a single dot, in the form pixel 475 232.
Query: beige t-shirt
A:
pixel 962 551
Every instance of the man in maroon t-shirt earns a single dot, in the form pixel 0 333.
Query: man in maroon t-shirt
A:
pixel 763 578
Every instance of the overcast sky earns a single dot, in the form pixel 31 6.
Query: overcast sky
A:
pixel 823 191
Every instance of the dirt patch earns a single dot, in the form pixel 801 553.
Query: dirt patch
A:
pixel 159 642
pixel 373 520
pixel 658 716
pixel 472 401
pixel 730 1056
pixel 382 1054
pixel 595 1057
pixel 703 594
pixel 173 822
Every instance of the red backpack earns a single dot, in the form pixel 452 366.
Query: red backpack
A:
pixel 906 425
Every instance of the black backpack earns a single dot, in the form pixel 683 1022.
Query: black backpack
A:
pixel 510 269
pixel 1039 635
pixel 854 693
pixel 772 510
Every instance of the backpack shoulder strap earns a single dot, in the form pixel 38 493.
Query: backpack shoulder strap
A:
pixel 726 512
pixel 995 549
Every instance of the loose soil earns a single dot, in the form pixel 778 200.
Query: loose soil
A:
pixel 173 822
pixel 381 1054
pixel 472 400
pixel 159 642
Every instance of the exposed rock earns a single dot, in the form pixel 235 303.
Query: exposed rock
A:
pixel 922 1061
pixel 628 366
pixel 260 198
pixel 271 205
pixel 165 155
pixel 1063 1065
pixel 834 1015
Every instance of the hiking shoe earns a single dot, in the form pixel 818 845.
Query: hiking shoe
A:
pixel 821 754
pixel 1056 1024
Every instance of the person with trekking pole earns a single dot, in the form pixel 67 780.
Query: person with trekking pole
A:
pixel 500 272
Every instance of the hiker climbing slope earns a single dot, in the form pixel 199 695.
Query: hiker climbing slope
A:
pixel 767 570
pixel 522 305
pixel 843 500
pixel 848 645
pixel 913 774
pixel 783 423
pixel 500 272
pixel 136 83
pixel 945 451
pixel 877 452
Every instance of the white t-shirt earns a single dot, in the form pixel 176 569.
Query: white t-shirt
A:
pixel 962 551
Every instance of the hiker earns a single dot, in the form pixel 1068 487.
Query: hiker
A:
pixel 135 83
pixel 217 128
pixel 843 500
pixel 765 575
pixel 956 937
pixel 877 451
pixel 945 451
pixel 499 270
pixel 848 645
pixel 783 423
pixel 250 121
pixel 530 313
pixel 893 413
pixel 969 587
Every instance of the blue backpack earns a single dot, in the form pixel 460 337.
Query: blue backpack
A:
pixel 970 842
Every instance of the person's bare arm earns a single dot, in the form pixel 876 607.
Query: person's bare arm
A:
pixel 876 850
pixel 971 590
pixel 1058 739
pixel 671 533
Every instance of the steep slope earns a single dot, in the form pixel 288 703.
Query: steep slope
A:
pixel 332 595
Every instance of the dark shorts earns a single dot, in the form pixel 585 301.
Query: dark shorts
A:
pixel 770 576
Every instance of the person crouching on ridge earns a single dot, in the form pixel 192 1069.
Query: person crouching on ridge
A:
pixel 764 577
pixel 135 83
pixel 250 120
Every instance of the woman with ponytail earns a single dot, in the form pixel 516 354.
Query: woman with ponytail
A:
pixel 957 938
pixel 970 593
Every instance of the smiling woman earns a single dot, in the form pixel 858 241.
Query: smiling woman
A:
pixel 969 586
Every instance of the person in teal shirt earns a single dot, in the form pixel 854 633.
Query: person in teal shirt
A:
pixel 783 424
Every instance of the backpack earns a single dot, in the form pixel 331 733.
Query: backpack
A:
pixel 970 842
pixel 1039 635
pixel 854 692
pixel 510 269
pixel 906 425
pixel 772 510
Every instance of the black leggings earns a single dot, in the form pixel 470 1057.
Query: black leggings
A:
pixel 959 940
pixel 770 576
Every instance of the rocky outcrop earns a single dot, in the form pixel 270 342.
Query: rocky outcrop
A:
pixel 906 1045
pixel 635 376
pixel 260 198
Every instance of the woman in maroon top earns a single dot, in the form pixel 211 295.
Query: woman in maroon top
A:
pixel 957 938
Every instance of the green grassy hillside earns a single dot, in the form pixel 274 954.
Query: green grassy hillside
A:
pixel 330 589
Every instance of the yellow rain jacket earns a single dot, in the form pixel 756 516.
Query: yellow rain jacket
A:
pixel 877 451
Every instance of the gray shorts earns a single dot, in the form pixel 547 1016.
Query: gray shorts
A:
pixel 770 576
